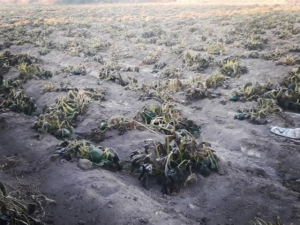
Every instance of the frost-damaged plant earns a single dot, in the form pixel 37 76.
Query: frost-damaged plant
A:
pixel 14 210
pixel 254 44
pixel 99 156
pixel 151 58
pixel 265 107
pixel 216 49
pixel 287 61
pixel 59 118
pixel 232 67
pixel 259 221
pixel 215 80
pixel 179 157
pixel 196 62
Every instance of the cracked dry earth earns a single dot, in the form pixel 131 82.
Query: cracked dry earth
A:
pixel 258 169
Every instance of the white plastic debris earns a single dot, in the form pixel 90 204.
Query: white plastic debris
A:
pixel 286 132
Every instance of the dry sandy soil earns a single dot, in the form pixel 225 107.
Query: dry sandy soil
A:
pixel 259 172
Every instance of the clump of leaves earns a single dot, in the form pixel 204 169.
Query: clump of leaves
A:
pixel 122 124
pixel 17 101
pixel 258 221
pixel 286 61
pixel 74 70
pixel 33 72
pixel 152 58
pixel 15 210
pixel 196 62
pixel 283 33
pixel 175 161
pixel 100 156
pixel 215 80
pixel 164 118
pixel 48 87
pixel 274 55
pixel 153 32
pixel 216 49
pixel 250 54
pixel 294 48
pixel 250 91
pixel 10 59
pixel 110 71
pixel 170 72
pixel 254 44
pixel 233 68
pixel 58 118
pixel 265 108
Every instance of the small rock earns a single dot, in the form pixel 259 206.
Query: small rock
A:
pixel 85 164
pixel 191 206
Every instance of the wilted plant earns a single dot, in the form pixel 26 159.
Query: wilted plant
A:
pixel 286 61
pixel 102 157
pixel 232 68
pixel 265 108
pixel 215 80
pixel 254 44
pixel 258 221
pixel 196 62
pixel 32 72
pixel 274 55
pixel 152 58
pixel 216 49
pixel 48 87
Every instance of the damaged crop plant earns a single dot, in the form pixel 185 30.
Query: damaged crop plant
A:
pixel 13 97
pixel 271 99
pixel 180 155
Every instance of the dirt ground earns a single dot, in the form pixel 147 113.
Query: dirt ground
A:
pixel 260 172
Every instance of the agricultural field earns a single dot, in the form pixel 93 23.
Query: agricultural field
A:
pixel 149 114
